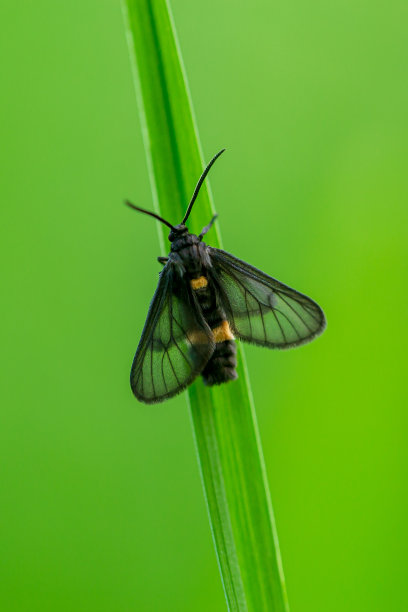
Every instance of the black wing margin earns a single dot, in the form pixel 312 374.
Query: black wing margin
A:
pixel 176 342
pixel 262 310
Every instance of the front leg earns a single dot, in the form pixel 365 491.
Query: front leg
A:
pixel 177 262
pixel 207 228
pixel 163 260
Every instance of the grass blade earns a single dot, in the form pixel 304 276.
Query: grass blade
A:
pixel 223 418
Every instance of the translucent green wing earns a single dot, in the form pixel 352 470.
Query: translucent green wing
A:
pixel 176 342
pixel 262 310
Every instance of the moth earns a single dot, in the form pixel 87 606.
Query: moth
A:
pixel 205 299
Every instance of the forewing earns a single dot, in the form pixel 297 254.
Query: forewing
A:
pixel 176 342
pixel 262 310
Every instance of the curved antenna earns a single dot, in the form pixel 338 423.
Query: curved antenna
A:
pixel 147 212
pixel 198 186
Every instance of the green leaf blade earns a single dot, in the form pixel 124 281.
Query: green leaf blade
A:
pixel 223 417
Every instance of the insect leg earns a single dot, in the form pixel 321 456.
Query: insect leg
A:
pixel 207 227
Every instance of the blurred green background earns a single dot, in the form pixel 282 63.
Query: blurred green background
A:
pixel 101 502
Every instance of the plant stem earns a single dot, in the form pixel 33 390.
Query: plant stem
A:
pixel 223 418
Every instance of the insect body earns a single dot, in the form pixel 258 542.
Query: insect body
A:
pixel 205 298
pixel 193 259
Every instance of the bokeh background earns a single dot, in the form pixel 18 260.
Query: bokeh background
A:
pixel 101 502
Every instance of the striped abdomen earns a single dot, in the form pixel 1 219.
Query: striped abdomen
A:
pixel 221 367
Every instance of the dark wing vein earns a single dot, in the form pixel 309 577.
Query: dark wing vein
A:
pixel 151 367
pixel 280 326
pixel 296 312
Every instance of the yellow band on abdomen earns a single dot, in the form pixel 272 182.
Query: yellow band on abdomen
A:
pixel 222 332
pixel 198 283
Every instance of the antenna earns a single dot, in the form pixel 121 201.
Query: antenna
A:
pixel 151 214
pixel 198 186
